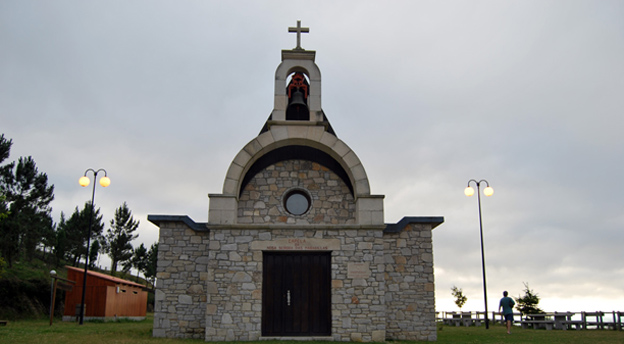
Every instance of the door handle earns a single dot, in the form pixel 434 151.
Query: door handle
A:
pixel 288 297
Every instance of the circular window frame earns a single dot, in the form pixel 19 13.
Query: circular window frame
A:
pixel 295 209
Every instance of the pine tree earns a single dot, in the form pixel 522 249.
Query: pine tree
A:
pixel 5 149
pixel 28 199
pixel 94 251
pixel 139 259
pixel 74 232
pixel 152 262
pixel 119 236
pixel 527 304
pixel 4 211
pixel 60 242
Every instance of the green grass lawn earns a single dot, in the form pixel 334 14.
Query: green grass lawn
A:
pixel 40 332
pixel 498 334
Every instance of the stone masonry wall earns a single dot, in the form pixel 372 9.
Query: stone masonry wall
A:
pixel 234 304
pixel 410 297
pixel 210 285
pixel 261 201
pixel 181 279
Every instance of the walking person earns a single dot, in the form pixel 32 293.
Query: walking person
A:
pixel 507 303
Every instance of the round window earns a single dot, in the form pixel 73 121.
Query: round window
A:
pixel 297 202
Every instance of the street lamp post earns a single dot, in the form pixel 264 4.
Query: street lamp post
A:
pixel 488 191
pixel 85 181
pixel 52 294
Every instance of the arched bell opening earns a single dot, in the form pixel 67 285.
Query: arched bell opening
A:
pixel 298 92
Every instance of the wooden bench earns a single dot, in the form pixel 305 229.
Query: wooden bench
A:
pixel 455 319
pixel 563 321
pixel 536 324
pixel 480 318
pixel 567 324
pixel 462 319
pixel 3 322
pixel 537 321
pixel 466 318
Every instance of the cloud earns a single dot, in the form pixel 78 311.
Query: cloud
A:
pixel 429 95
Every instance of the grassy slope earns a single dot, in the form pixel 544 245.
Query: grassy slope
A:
pixel 25 290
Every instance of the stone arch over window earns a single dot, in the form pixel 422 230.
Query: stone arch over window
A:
pixel 269 145
pixel 293 152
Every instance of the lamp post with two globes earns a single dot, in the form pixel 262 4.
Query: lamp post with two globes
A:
pixel 85 181
pixel 488 191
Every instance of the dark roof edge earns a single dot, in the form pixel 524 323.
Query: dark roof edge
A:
pixel 197 226
pixel 397 227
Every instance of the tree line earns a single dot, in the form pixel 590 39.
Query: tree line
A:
pixel 27 227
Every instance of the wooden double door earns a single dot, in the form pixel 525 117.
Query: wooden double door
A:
pixel 296 294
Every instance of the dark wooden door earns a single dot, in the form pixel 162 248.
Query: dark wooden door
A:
pixel 296 294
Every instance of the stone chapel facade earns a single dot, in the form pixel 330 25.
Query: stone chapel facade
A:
pixel 295 245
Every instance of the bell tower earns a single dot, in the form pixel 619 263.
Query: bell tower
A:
pixel 298 84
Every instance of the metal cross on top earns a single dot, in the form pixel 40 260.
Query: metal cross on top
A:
pixel 299 30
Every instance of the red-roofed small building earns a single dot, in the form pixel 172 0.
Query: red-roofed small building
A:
pixel 107 297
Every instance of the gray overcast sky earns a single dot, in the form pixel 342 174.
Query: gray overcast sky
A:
pixel 526 94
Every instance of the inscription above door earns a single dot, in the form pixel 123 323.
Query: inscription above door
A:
pixel 297 244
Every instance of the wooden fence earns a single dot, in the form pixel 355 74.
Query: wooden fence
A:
pixel 551 320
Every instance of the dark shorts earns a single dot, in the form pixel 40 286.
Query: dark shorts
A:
pixel 509 317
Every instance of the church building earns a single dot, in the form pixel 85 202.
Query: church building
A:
pixel 295 246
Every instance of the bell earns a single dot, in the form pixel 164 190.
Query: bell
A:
pixel 297 108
